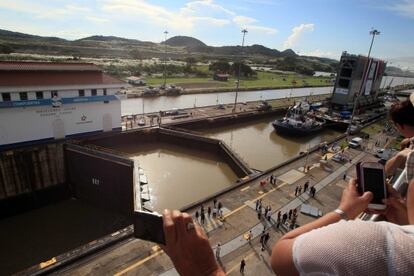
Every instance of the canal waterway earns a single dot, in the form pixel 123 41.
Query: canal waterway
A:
pixel 179 176
pixel 258 144
pixel 155 104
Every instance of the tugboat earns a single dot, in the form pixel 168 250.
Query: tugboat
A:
pixel 299 120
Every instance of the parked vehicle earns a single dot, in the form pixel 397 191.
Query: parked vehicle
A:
pixel 355 142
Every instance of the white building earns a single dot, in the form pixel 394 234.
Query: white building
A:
pixel 42 101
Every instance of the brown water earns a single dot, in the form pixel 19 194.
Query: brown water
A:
pixel 258 144
pixel 178 176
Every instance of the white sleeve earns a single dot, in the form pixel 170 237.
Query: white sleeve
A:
pixel 343 248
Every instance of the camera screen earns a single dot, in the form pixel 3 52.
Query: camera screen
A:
pixel 374 182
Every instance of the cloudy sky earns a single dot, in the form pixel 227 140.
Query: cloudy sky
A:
pixel 310 27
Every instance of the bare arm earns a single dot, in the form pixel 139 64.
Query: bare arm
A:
pixel 396 162
pixel 351 203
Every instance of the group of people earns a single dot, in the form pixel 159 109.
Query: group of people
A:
pixel 334 244
pixel 298 189
pixel 216 211
pixel 267 214
pixel 289 217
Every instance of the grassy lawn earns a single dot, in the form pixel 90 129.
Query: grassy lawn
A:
pixel 374 128
pixel 263 79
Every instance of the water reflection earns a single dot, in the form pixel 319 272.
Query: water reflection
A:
pixel 179 176
pixel 260 146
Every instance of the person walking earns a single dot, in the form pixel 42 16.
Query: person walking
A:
pixel 219 205
pixel 257 204
pixel 284 218
pixel 218 249
pixel 196 215
pixel 344 177
pixel 242 265
pixel 290 214
pixel 279 215
pixel 209 211
pixel 299 190
pixel 278 222
pixel 296 190
pixel 203 218
pixel 305 187
pixel 249 236
pixel 215 203
pixel 262 237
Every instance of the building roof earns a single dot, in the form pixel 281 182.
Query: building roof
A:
pixel 47 66
pixel 53 74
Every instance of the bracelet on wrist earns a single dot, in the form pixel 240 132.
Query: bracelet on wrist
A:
pixel 341 213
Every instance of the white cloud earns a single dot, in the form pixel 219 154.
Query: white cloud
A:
pixel 297 32
pixel 205 5
pixel 320 53
pixel 261 29
pixel 97 20
pixel 403 7
pixel 239 19
pixel 402 62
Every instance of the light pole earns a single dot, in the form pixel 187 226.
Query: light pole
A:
pixel 244 31
pixel 165 59
pixel 373 33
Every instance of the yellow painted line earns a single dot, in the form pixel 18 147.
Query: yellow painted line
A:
pixel 47 263
pixel 129 268
pixel 234 211
pixel 244 205
pixel 245 188
pixel 238 265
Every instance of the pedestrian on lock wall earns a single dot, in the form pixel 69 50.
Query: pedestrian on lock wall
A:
pixel 290 214
pixel 196 215
pixel 203 218
pixel 296 190
pixel 305 187
pixel 300 190
pixel 218 250
pixel 242 265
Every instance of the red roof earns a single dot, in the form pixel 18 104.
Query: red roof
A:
pixel 52 74
pixel 47 66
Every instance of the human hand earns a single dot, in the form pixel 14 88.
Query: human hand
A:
pixel 352 203
pixel 396 211
pixel 403 154
pixel 188 248
pixel 404 143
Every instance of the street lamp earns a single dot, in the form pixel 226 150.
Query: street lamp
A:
pixel 244 31
pixel 373 32
pixel 165 59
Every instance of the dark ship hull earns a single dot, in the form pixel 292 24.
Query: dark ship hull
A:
pixel 284 128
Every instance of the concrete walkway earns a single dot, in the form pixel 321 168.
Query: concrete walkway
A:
pixel 240 241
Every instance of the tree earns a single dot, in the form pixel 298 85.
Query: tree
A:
pixel 219 67
pixel 244 69
pixel 190 61
pixel 6 49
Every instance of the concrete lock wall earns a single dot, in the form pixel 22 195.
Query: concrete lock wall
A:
pixel 176 137
pixel 31 177
pixel 100 178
